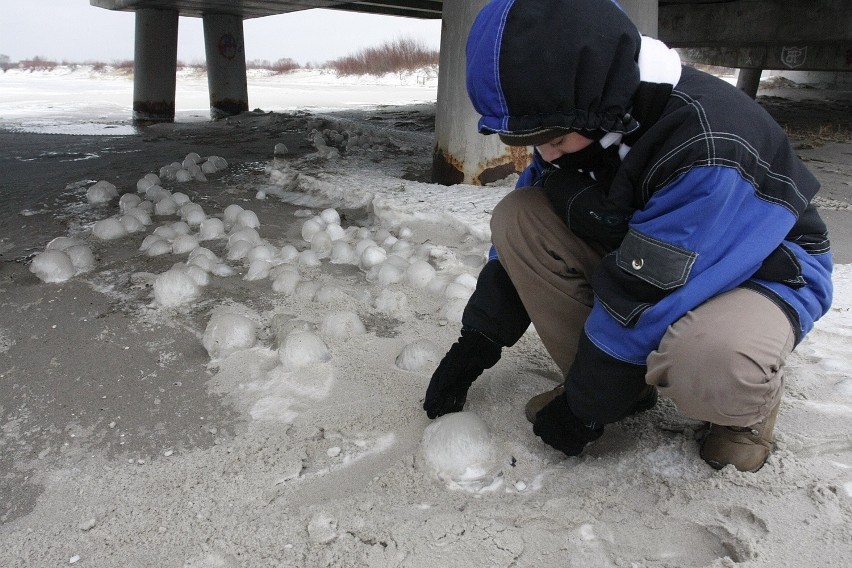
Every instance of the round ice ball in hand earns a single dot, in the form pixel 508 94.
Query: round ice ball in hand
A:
pixel 52 266
pixel 228 333
pixel 459 448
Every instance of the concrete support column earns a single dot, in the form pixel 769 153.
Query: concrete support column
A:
pixel 226 64
pixel 461 154
pixel 644 14
pixel 155 65
pixel 748 80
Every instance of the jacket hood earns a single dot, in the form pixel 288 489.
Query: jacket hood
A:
pixel 536 65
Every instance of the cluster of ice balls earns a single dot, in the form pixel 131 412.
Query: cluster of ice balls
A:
pixel 63 258
pixel 66 257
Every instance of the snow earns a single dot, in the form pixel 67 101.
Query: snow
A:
pixel 320 331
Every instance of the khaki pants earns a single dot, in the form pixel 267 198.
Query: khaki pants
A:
pixel 722 362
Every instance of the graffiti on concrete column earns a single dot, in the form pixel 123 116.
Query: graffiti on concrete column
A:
pixel 228 46
pixel 794 57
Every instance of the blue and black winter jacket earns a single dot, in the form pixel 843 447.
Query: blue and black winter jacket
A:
pixel 712 195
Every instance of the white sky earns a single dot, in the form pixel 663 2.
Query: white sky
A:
pixel 74 31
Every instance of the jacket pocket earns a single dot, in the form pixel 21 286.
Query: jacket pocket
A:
pixel 639 274
pixel 664 265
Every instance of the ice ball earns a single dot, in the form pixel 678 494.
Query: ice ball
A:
pixel 52 266
pixel 166 206
pixel 417 355
pixel 288 253
pixel 342 324
pixel 180 198
pixel 372 256
pixel 239 250
pixel 247 234
pixel 63 243
pixel 246 218
pixel 175 287
pixel 391 302
pixel 458 447
pixel 453 310
pixel 230 214
pixel 81 257
pixel 302 348
pixel 195 217
pixel 335 231
pixel 184 244
pixel 343 253
pixel 131 223
pixel 227 333
pixel 309 258
pixel 258 270
pixel 310 228
pixel 330 217
pixel 211 228
pixel 101 192
pixel 143 216
pixel 286 281
pixel 419 274
pixel 128 201
pixel 321 244
pixel 109 229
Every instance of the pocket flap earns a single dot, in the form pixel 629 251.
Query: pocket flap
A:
pixel 662 264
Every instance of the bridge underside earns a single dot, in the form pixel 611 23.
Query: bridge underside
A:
pixel 751 35
pixel 424 9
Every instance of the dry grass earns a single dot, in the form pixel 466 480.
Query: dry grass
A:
pixel 391 57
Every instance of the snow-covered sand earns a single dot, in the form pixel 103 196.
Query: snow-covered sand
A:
pixel 314 323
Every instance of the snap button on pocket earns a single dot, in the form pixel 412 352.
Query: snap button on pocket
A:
pixel 638 263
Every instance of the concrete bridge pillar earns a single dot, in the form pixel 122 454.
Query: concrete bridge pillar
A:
pixel 155 65
pixel 748 80
pixel 461 154
pixel 644 14
pixel 226 64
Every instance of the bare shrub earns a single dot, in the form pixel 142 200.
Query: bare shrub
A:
pixel 124 66
pixel 37 64
pixel 284 65
pixel 200 66
pixel 390 57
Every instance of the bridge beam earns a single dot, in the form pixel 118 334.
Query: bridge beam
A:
pixel 155 65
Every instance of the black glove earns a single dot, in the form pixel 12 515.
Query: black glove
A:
pixel 583 204
pixel 466 359
pixel 557 426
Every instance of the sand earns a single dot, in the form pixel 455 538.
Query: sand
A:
pixel 124 445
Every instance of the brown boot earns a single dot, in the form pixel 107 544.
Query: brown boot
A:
pixel 646 401
pixel 747 449
pixel 539 401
